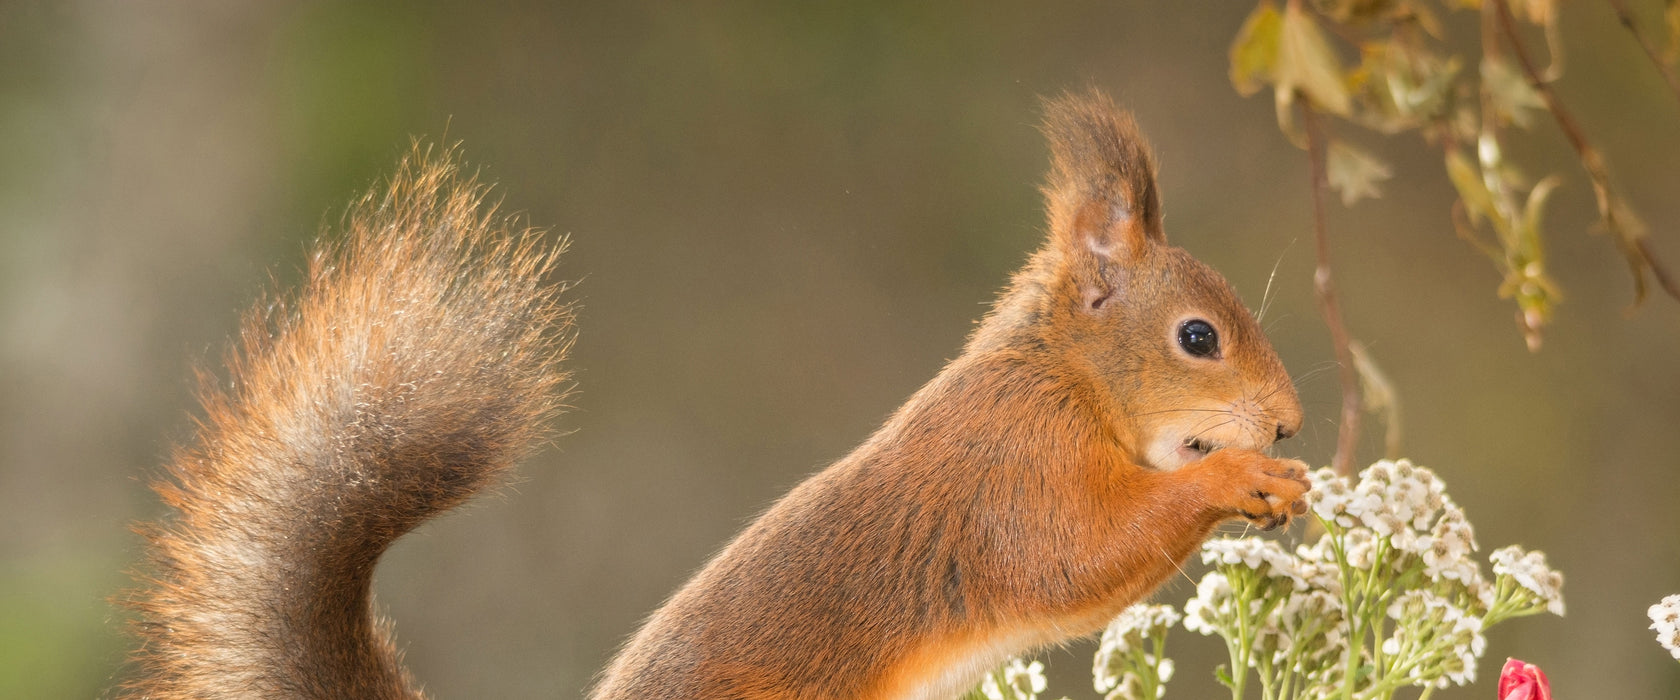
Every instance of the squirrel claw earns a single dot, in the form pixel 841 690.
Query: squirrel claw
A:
pixel 1265 491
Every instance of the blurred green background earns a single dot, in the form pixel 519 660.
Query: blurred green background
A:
pixel 785 218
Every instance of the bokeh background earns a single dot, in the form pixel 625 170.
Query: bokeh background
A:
pixel 785 218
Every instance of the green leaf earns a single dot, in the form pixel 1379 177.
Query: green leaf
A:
pixel 1535 208
pixel 1354 172
pixel 1467 179
pixel 1254 51
pixel 1307 64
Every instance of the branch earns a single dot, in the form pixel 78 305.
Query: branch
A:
pixel 1664 280
pixel 1634 248
pixel 1347 435
pixel 1626 19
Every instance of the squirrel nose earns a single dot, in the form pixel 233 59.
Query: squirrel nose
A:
pixel 1285 432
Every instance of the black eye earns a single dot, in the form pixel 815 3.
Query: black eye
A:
pixel 1198 338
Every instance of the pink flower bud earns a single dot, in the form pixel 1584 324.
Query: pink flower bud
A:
pixel 1520 680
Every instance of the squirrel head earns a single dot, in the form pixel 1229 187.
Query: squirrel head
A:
pixel 1185 367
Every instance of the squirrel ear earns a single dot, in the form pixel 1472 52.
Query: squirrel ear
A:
pixel 1103 207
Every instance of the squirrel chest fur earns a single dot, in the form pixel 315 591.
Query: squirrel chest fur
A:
pixel 1107 414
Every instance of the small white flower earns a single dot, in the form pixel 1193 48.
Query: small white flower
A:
pixel 1360 546
pixel 1329 495
pixel 1381 471
pixel 1026 679
pixel 1116 671
pixel 1665 619
pixel 1252 552
pixel 1530 571
pixel 1391 646
pixel 1019 681
pixel 1131 688
pixel 1199 617
pixel 1210 611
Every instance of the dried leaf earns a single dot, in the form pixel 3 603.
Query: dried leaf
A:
pixel 1306 63
pixel 1354 172
pixel 1254 52
pixel 1538 12
pixel 1426 19
pixel 1513 99
pixel 1627 228
pixel 1378 396
pixel 1355 11
pixel 1544 14
pixel 1671 20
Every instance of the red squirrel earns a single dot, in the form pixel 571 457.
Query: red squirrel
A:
pixel 1109 411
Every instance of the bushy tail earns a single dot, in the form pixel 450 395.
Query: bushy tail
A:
pixel 420 360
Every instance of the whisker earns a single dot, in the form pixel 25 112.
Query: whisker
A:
pixel 1205 431
pixel 1266 296
pixel 1184 410
pixel 1174 562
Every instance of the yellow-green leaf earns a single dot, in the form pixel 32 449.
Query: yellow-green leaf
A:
pixel 1306 63
pixel 1254 52
pixel 1534 211
pixel 1467 179
pixel 1354 172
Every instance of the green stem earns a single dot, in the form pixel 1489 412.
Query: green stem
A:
pixel 1239 657
pixel 1355 638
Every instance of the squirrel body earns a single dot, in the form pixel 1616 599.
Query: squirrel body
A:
pixel 1057 471
pixel 1105 416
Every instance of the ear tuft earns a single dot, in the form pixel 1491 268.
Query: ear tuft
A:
pixel 1101 189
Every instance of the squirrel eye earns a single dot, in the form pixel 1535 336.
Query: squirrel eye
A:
pixel 1198 338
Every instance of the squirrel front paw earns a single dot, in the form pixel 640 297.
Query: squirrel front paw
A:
pixel 1261 489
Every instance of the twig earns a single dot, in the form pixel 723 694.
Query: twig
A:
pixel 1668 283
pixel 1638 251
pixel 1347 434
pixel 1626 18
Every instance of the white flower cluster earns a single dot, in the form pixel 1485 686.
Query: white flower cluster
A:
pixel 1393 582
pixel 1129 665
pixel 1408 507
pixel 1397 517
pixel 1529 570
pixel 1214 608
pixel 1016 680
pixel 1279 613
pixel 1432 633
pixel 1665 619
pixel 1389 596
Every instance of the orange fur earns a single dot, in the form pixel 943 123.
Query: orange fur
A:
pixel 1057 471
pixel 418 362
